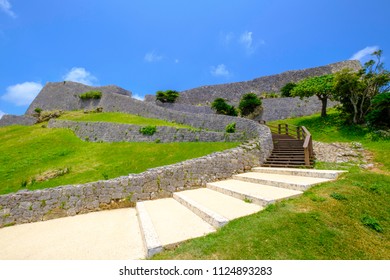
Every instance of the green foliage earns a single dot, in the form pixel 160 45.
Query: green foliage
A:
pixel 357 91
pixel 93 94
pixel 148 130
pixel 321 86
pixel 380 114
pixel 248 103
pixel 222 107
pixel 38 110
pixel 338 196
pixel 168 96
pixel 287 88
pixel 231 128
pixel 372 223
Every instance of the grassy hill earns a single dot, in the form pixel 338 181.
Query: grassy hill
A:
pixel 345 219
pixel 36 157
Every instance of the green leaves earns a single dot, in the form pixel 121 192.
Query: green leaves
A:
pixel 168 96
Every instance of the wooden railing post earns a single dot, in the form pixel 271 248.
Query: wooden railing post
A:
pixel 299 133
pixel 279 128
pixel 286 129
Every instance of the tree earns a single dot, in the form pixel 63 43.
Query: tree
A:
pixel 287 88
pixel 222 107
pixel 168 96
pixel 321 86
pixel 357 90
pixel 248 103
pixel 380 114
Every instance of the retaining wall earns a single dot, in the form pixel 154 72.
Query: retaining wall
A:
pixel 116 132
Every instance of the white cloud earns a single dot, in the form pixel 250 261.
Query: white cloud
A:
pixel 246 40
pixel 22 94
pixel 152 57
pixel 2 114
pixel 220 71
pixel 80 75
pixel 6 7
pixel 137 96
pixel 362 54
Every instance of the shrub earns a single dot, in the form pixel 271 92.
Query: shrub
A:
pixel 248 103
pixel 148 130
pixel 372 223
pixel 93 94
pixel 287 88
pixel 221 107
pixel 231 127
pixel 168 96
pixel 38 110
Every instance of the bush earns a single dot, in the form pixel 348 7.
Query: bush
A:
pixel 231 128
pixel 38 110
pixel 221 107
pixel 168 96
pixel 93 94
pixel 380 114
pixel 287 88
pixel 248 103
pixel 148 130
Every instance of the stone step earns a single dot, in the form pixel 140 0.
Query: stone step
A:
pixel 256 193
pixel 215 207
pixel 165 222
pixel 300 183
pixel 328 174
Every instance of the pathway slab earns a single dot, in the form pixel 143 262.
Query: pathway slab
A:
pixel 257 193
pixel 174 222
pixel 105 235
pixel 328 174
pixel 300 183
pixel 224 205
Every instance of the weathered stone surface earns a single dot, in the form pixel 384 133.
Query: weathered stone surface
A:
pixel 233 91
pixel 115 132
pixel 65 96
pixel 21 120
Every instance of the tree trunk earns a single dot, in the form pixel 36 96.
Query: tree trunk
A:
pixel 324 101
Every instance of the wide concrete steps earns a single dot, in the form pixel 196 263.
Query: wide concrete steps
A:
pixel 194 213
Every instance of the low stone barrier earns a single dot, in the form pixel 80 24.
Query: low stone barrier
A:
pixel 116 132
pixel 31 206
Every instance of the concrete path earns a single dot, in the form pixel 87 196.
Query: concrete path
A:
pixel 154 225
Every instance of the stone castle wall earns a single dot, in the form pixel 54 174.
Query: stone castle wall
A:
pixel 116 132
pixel 233 91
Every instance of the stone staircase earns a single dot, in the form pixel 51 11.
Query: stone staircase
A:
pixel 193 213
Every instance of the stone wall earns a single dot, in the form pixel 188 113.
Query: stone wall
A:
pixel 233 91
pixel 116 132
pixel 31 206
pixel 274 108
pixel 13 119
pixel 65 96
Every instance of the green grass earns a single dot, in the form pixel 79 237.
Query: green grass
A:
pixel 28 152
pixel 346 219
pixel 118 118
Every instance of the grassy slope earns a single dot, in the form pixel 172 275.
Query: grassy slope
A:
pixel 117 117
pixel 27 152
pixel 315 225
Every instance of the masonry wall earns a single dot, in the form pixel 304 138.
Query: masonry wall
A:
pixel 116 132
pixel 31 206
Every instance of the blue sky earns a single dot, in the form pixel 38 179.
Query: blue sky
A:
pixel 145 46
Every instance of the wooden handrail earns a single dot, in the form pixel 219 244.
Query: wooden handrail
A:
pixel 307 145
